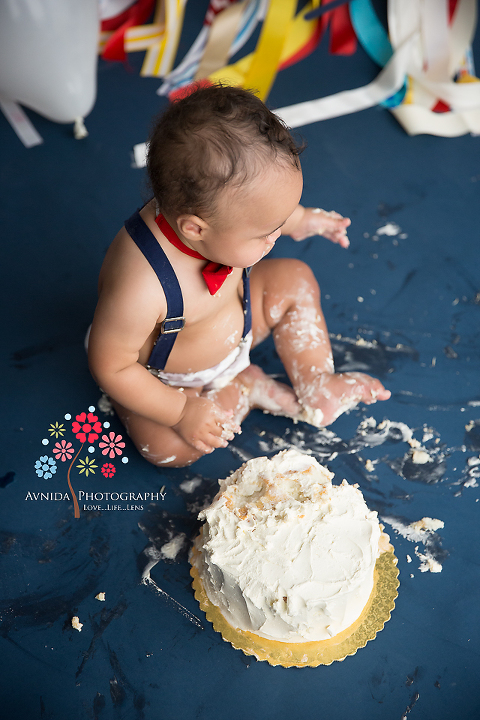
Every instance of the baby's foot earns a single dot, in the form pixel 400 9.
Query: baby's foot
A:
pixel 265 393
pixel 328 396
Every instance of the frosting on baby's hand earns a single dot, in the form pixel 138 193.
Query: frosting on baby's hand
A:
pixel 330 225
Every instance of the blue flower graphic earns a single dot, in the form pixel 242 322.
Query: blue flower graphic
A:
pixel 45 467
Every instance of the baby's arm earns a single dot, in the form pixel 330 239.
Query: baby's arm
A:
pixel 306 222
pixel 127 311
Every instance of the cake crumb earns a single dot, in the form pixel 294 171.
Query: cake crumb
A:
pixel 76 624
pixel 170 550
pixel 390 229
pixel 100 596
pixel 428 524
pixel 369 466
pixel 420 457
pixel 428 562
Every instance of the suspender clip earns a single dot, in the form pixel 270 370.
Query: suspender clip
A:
pixel 164 330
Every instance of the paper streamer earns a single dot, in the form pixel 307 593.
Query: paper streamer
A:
pixel 139 159
pixel 429 48
pixel 127 32
pixel 388 82
pixel 283 37
pixel 160 56
pixel 223 31
pixel 20 123
pixel 114 28
pixel 186 71
pixel 431 69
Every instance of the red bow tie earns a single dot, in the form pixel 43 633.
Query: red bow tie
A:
pixel 213 273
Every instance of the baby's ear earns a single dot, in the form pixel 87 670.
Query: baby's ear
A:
pixel 191 227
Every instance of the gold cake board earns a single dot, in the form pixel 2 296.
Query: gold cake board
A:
pixel 323 652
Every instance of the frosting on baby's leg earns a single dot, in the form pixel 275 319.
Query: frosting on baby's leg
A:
pixel 330 395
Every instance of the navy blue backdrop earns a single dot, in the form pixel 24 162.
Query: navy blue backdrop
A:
pixel 403 306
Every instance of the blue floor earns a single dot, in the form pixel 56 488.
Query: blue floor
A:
pixel 404 307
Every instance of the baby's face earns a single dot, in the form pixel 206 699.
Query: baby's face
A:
pixel 249 219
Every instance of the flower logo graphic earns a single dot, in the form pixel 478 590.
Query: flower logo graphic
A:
pixel 108 470
pixel 45 467
pixel 112 445
pixel 86 427
pixel 89 435
pixel 87 466
pixel 56 430
pixel 63 450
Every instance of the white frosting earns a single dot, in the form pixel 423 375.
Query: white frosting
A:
pixel 284 553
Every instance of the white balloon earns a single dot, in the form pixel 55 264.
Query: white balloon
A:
pixel 48 56
pixel 111 8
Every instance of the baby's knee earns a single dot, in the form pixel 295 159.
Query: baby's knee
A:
pixel 299 284
pixel 302 273
pixel 175 454
pixel 295 274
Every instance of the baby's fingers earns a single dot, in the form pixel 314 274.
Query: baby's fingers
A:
pixel 210 443
pixel 339 237
pixel 202 447
pixel 227 424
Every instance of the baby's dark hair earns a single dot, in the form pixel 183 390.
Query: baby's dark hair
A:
pixel 214 137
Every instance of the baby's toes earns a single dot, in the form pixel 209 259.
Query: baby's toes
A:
pixel 374 390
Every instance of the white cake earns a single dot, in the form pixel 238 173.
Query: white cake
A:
pixel 285 554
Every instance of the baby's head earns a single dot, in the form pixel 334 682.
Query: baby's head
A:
pixel 217 138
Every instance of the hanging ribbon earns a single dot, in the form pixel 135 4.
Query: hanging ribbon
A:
pixel 422 103
pixel 284 40
pixel 223 31
pixel 266 58
pixel 113 29
pixel 160 56
pixel 343 40
pixel 127 32
pixel 389 81
pixel 283 37
pixel 443 97
pixel 188 69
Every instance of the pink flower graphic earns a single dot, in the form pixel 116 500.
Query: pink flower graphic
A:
pixel 108 470
pixel 112 445
pixel 63 450
pixel 86 427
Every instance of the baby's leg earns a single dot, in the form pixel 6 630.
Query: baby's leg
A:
pixel 164 447
pixel 251 389
pixel 286 301
pixel 158 444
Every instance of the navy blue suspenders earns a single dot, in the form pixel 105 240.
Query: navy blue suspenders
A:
pixel 174 321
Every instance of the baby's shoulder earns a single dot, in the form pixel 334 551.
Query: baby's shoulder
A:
pixel 125 271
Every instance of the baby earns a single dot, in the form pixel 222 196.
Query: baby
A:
pixel 184 290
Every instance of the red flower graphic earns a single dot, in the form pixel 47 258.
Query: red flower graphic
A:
pixel 63 450
pixel 112 445
pixel 86 427
pixel 108 470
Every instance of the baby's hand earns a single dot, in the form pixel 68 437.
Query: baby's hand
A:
pixel 205 426
pixel 319 222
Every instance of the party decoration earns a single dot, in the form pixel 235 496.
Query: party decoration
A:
pixel 210 50
pixel 48 55
pixel 127 32
pixel 429 45
pixel 443 96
